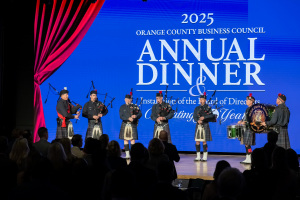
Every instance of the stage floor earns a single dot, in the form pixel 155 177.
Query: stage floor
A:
pixel 187 168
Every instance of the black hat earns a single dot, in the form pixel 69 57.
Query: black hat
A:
pixel 250 97
pixel 159 94
pixel 64 91
pixel 282 96
pixel 93 92
pixel 128 96
pixel 203 95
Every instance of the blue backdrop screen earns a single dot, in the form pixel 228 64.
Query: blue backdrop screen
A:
pixel 235 47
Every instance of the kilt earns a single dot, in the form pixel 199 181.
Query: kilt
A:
pixel 134 131
pixel 248 137
pixel 206 132
pixel 163 126
pixel 91 124
pixel 283 138
pixel 62 132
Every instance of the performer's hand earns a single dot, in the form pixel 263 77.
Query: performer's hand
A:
pixel 76 117
pixel 100 115
pixel 78 113
pixel 95 117
pixel 201 118
pixel 263 124
pixel 199 121
pixel 133 116
pixel 130 119
pixel 158 120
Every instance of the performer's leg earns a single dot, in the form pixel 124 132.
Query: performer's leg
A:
pixel 198 158
pixel 132 142
pixel 126 145
pixel 204 151
pixel 248 155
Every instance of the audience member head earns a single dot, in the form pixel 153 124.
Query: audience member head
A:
pixel 230 183
pixel 258 159
pixel 77 140
pixel 94 148
pixel 90 145
pixel 55 140
pixel 3 144
pixel 113 149
pixel 43 133
pixel 163 136
pixel 19 151
pixel 66 143
pixel 156 147
pixel 17 133
pixel 104 140
pixel 28 135
pixel 139 153
pixel 279 158
pixel 220 166
pixel 292 159
pixel 165 171
pixel 57 155
pixel 272 137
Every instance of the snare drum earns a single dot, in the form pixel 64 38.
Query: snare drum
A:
pixel 240 130
pixel 235 131
pixel 231 132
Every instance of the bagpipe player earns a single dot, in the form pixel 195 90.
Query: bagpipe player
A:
pixel 65 111
pixel 94 110
pixel 161 113
pixel 202 115
pixel 130 114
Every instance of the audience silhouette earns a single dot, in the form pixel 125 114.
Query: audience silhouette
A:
pixel 61 170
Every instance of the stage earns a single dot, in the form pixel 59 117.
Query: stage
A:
pixel 187 168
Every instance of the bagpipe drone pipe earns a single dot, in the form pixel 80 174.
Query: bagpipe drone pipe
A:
pixel 165 108
pixel 101 107
pixel 74 107
pixel 209 110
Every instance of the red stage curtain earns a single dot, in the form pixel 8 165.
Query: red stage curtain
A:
pixel 59 26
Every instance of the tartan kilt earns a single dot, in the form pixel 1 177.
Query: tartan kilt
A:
pixel 62 132
pixel 134 131
pixel 89 131
pixel 248 137
pixel 207 131
pixel 283 138
pixel 165 127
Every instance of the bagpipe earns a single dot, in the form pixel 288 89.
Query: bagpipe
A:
pixel 165 108
pixel 208 110
pixel 101 107
pixel 134 107
pixel 73 105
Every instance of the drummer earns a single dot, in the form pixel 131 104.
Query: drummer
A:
pixel 280 121
pixel 249 136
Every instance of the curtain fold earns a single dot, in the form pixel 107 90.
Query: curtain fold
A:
pixel 59 26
